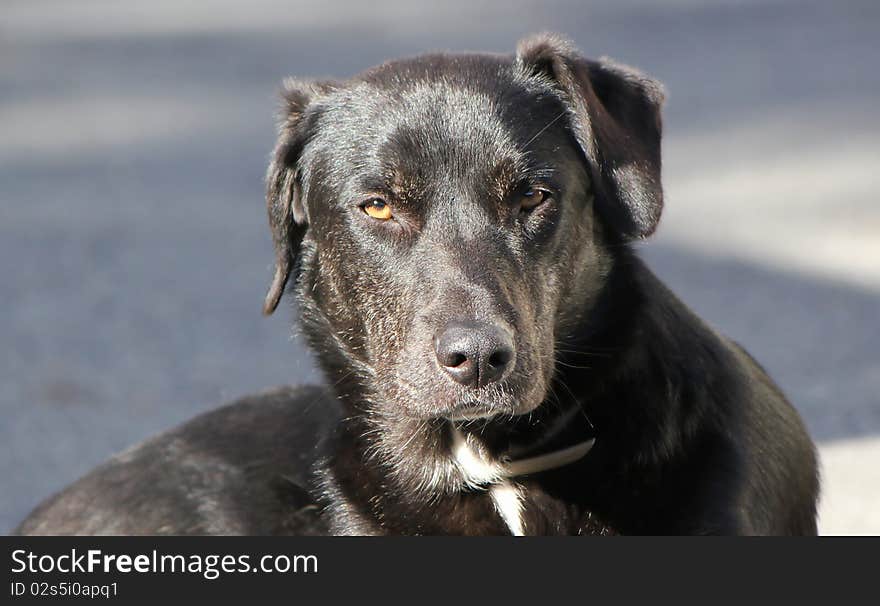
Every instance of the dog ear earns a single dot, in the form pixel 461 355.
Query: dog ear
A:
pixel 288 217
pixel 615 118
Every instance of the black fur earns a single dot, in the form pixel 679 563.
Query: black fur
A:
pixel 692 436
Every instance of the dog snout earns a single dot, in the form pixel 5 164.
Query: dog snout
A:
pixel 474 354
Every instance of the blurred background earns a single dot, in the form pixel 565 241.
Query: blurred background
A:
pixel 134 251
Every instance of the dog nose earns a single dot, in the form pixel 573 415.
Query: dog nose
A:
pixel 474 353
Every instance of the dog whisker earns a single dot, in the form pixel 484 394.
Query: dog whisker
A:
pixel 573 366
pixel 543 130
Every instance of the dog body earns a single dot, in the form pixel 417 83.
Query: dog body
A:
pixel 457 228
pixel 237 470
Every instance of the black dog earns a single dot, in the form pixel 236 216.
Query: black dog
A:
pixel 457 227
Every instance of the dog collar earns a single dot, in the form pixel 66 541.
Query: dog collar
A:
pixel 550 460
pixel 479 468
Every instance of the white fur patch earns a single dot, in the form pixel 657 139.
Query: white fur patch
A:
pixel 479 470
pixel 508 501
pixel 476 469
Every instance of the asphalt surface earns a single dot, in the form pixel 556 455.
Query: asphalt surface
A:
pixel 134 251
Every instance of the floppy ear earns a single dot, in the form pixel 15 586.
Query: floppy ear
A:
pixel 287 213
pixel 615 118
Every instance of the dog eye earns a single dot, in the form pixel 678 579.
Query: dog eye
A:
pixel 532 198
pixel 377 208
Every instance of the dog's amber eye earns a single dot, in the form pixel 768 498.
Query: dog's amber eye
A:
pixel 377 208
pixel 532 198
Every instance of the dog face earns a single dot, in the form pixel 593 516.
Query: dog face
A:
pixel 452 215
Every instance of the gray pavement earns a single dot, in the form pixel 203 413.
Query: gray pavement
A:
pixel 134 252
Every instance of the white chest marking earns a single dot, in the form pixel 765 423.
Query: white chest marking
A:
pixel 476 468
pixel 508 501
pixel 480 470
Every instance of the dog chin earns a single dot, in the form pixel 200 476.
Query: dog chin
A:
pixel 460 407
pixel 472 414
pixel 481 411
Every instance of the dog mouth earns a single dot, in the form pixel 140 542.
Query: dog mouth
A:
pixel 481 410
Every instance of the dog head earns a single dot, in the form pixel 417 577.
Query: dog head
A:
pixel 448 219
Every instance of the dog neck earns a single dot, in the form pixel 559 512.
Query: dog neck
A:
pixel 428 460
pixel 549 444
pixel 562 441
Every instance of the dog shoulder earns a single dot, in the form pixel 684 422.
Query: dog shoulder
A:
pixel 773 461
